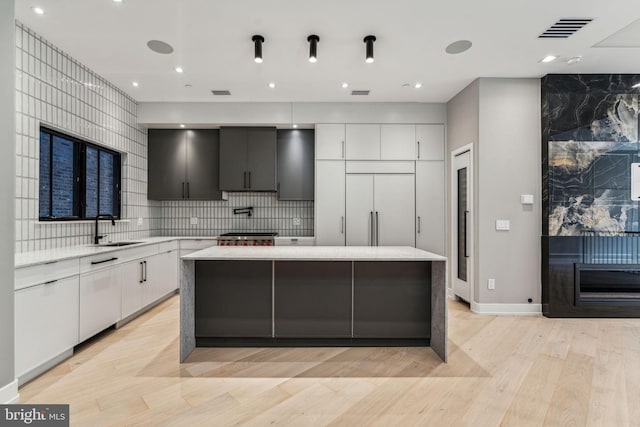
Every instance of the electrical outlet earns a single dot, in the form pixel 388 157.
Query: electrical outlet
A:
pixel 296 221
pixel 503 224
pixel 193 220
pixel 139 222
pixel 491 283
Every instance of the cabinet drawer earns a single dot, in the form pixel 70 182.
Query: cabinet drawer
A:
pixel 39 274
pixel 46 325
pixel 167 246
pixel 295 241
pixel 108 259
pixel 197 244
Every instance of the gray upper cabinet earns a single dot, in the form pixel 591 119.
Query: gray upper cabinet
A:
pixel 183 164
pixel 295 164
pixel 248 159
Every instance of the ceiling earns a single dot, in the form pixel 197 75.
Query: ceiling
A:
pixel 212 42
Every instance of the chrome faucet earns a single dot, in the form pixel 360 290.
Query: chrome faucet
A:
pixel 96 238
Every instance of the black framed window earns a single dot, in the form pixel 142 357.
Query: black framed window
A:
pixel 78 180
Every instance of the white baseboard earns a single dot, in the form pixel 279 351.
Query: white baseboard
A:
pixel 9 393
pixel 507 309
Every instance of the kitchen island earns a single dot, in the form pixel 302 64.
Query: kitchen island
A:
pixel 313 296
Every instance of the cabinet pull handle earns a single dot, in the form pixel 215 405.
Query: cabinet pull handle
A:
pixel 342 225
pixel 249 180
pixel 377 230
pixel 50 262
pixel 183 190
pixel 278 187
pixel 188 191
pixel 50 282
pixel 419 225
pixel 141 272
pixel 466 237
pixel 343 149
pixel 145 270
pixel 372 232
pixel 418 150
pixel 244 180
pixel 103 261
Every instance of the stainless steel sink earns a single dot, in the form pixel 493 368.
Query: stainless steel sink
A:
pixel 119 244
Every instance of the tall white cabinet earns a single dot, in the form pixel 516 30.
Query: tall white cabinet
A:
pixel 380 210
pixel 381 184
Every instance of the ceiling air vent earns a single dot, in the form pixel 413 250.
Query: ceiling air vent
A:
pixel 564 28
pixel 221 92
pixel 360 92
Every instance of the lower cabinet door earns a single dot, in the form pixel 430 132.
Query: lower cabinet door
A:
pixel 100 301
pixel 392 299
pixel 233 299
pixel 168 272
pixel 131 277
pixel 312 299
pixel 46 322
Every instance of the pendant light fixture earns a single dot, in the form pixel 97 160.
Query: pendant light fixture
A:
pixel 257 48
pixel 313 47
pixel 369 48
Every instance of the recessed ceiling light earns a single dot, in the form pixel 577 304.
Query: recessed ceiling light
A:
pixel 458 47
pixel 38 10
pixel 135 84
pixel 295 126
pixel 417 85
pixel 179 70
pixel 548 58
pixel 188 85
pixel 272 85
pixel 182 126
pixel 345 85
pixel 574 60
pixel 158 46
pixel 636 86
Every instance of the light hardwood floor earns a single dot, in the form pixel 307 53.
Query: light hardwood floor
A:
pixel 511 371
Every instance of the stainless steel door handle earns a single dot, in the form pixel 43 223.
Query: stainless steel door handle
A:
pixel 466 234
pixel 419 224
pixel 372 229
pixel 377 229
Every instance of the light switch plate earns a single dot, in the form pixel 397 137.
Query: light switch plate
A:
pixel 503 224
pixel 193 220
pixel 296 221
pixel 526 199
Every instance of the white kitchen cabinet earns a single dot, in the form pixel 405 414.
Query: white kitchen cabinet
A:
pixel 330 203
pixel 46 323
pixel 398 142
pixel 362 142
pixel 380 209
pixel 330 141
pixel 100 300
pixel 132 279
pixel 430 141
pixel 430 206
pixel 168 272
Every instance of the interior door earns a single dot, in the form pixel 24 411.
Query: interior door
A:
pixel 360 212
pixel 462 225
pixel 394 210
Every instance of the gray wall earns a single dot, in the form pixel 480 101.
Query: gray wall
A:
pixel 508 166
pixel 502 119
pixel 462 129
pixel 7 188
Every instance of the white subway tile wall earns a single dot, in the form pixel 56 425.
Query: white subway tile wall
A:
pixel 216 217
pixel 55 90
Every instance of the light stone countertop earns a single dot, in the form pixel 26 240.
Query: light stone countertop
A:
pixel 314 253
pixel 26 259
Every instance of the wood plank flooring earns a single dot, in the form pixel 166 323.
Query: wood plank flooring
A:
pixel 511 371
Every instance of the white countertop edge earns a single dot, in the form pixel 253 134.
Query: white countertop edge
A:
pixel 314 253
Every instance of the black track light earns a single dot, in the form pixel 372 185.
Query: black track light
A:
pixel 313 47
pixel 369 42
pixel 257 49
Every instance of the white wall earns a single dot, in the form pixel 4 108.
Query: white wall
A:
pixel 501 117
pixel 55 90
pixel 7 197
pixel 509 166
pixel 157 114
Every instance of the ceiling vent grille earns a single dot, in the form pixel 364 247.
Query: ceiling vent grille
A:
pixel 360 92
pixel 564 28
pixel 220 92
